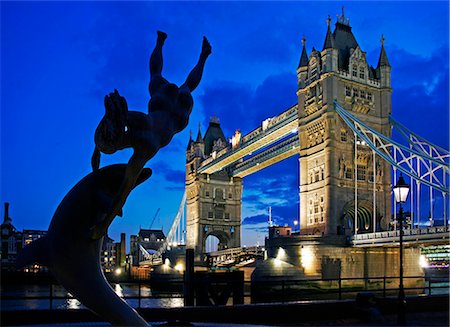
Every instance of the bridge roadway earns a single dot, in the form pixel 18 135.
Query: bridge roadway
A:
pixel 235 256
pixel 269 132
pixel 427 236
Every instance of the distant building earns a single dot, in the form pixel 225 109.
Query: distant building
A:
pixel 149 239
pixel 108 254
pixel 113 253
pixel 28 236
pixel 280 231
pixel 11 242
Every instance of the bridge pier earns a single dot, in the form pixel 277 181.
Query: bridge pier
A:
pixel 332 257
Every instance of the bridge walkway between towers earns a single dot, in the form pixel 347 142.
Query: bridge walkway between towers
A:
pixel 271 130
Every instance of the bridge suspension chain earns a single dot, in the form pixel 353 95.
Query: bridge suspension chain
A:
pixel 419 143
pixel 401 157
pixel 172 232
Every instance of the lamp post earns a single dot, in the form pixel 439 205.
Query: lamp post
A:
pixel 295 225
pixel 401 191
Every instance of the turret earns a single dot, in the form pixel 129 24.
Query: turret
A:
pixel 194 153
pixel 199 144
pixel 329 52
pixel 383 67
pixel 302 69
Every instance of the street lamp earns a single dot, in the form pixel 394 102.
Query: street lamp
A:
pixel 401 191
pixel 295 224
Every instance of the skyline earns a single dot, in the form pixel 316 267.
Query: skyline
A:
pixel 55 73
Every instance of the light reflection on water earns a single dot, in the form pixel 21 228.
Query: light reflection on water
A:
pixel 119 290
pixel 73 304
pixel 169 300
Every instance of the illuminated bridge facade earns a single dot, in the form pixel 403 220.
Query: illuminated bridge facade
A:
pixel 341 130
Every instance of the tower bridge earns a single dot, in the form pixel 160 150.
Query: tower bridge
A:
pixel 341 129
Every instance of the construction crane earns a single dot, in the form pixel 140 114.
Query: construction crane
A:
pixel 154 217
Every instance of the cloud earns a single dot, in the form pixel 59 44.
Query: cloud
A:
pixel 420 98
pixel 174 176
pixel 252 220
pixel 238 106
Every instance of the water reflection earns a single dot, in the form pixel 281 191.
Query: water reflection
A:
pixel 119 290
pixel 73 303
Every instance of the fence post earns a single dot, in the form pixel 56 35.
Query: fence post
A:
pixel 51 296
pixel 189 297
pixel 340 288
pixel 139 294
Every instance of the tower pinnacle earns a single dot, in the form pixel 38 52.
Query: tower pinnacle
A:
pixel 329 39
pixel 342 19
pixel 304 56
pixel 383 59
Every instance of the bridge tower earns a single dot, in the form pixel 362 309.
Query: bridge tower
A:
pixel 333 167
pixel 213 200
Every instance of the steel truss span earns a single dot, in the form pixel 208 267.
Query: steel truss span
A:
pixel 423 162
pixel 174 237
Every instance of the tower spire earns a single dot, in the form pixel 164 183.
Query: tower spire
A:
pixel 383 59
pixel 190 140
pixel 342 19
pixel 329 39
pixel 304 56
pixel 199 135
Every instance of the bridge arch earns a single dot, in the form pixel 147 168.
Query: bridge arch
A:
pixel 223 237
pixel 364 214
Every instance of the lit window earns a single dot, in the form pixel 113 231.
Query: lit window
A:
pixel 361 170
pixel 343 135
pixel 348 173
pixel 348 91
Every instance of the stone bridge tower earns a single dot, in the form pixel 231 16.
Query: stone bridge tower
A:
pixel 213 200
pixel 328 164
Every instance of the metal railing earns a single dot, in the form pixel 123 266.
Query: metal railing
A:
pixel 260 291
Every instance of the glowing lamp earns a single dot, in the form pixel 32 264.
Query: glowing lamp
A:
pixel 401 190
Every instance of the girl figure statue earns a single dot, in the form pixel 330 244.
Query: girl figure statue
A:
pixel 169 109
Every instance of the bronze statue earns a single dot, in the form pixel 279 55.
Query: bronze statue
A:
pixel 72 257
pixel 168 113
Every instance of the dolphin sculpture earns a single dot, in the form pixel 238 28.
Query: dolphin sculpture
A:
pixel 73 256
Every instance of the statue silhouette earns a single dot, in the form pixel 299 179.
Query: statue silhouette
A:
pixel 169 109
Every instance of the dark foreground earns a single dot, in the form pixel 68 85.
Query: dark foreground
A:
pixel 366 311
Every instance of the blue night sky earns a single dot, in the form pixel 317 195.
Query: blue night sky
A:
pixel 59 59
